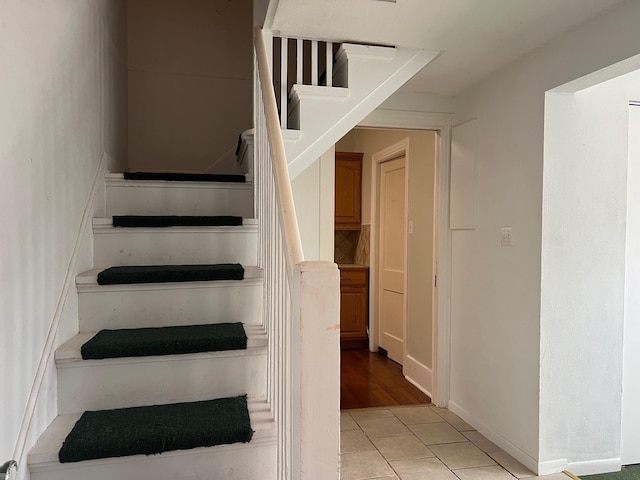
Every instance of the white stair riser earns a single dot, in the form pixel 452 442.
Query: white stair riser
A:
pixel 111 383
pixel 206 302
pixel 253 461
pixel 132 246
pixel 176 200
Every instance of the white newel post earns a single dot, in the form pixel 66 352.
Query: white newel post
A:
pixel 315 322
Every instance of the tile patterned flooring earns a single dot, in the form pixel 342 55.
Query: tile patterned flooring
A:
pixel 417 442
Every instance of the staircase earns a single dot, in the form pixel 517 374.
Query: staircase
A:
pixel 343 88
pixel 280 375
pixel 173 370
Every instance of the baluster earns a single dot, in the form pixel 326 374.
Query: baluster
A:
pixel 329 69
pixel 284 61
pixel 299 61
pixel 314 62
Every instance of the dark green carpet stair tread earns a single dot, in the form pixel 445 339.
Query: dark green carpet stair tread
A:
pixel 156 429
pixel 133 221
pixel 142 342
pixel 185 177
pixel 170 273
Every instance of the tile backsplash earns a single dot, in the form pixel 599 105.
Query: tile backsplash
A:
pixel 352 246
pixel 344 247
pixel 363 246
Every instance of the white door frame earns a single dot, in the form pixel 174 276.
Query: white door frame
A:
pixel 630 385
pixel 441 123
pixel 392 152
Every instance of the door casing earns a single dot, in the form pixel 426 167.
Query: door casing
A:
pixel 440 123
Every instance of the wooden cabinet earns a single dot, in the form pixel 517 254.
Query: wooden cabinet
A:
pixel 354 307
pixel 348 191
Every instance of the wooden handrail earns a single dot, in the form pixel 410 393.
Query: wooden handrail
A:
pixel 292 240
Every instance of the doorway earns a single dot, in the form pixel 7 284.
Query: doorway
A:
pixel 413 358
pixel 578 307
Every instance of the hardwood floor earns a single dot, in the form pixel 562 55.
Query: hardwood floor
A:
pixel 371 380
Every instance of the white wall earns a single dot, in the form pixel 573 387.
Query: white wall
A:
pixel 583 273
pixel 313 195
pixel 62 91
pixel 190 83
pixel 418 102
pixel 495 305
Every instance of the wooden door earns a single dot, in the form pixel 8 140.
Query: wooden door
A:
pixel 391 258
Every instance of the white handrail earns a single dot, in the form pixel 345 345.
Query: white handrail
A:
pixel 301 304
pixel 281 170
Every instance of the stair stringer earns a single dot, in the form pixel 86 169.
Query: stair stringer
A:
pixel 325 114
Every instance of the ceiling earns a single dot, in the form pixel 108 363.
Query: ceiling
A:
pixel 476 37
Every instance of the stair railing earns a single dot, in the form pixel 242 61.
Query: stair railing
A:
pixel 301 306
pixel 302 62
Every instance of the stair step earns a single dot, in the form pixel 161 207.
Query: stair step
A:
pixel 301 93
pixel 165 304
pixel 184 177
pixel 252 461
pixel 147 380
pixel 174 245
pixel 70 353
pixel 170 273
pixel 159 197
pixel 155 429
pixel 157 221
pixel 142 342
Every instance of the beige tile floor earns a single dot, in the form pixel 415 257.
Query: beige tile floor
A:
pixel 421 442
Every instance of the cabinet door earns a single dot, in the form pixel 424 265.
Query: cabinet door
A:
pixel 348 188
pixel 353 313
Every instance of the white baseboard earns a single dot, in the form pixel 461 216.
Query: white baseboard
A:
pixel 41 407
pixel 552 466
pixel 520 455
pixel 592 467
pixel 418 374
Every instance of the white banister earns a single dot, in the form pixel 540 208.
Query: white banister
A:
pixel 301 305
pixel 299 60
pixel 314 62
pixel 281 171
pixel 284 81
pixel 329 68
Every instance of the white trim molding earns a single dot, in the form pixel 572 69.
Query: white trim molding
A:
pixel 592 467
pixel 552 466
pixel 440 122
pixel 418 374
